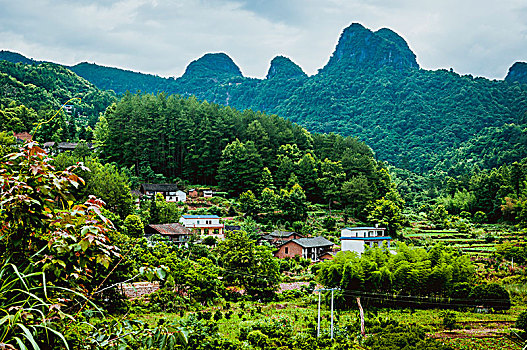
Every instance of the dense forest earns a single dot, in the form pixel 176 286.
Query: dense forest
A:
pixel 199 142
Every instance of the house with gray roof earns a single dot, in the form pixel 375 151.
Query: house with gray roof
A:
pixel 279 237
pixel 308 248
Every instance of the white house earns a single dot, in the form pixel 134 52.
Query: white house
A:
pixel 202 223
pixel 355 239
pixel 171 192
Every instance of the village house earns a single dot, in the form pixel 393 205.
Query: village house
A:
pixel 205 224
pixel 355 239
pixel 64 146
pixel 171 192
pixel 279 237
pixel 23 136
pixel 176 232
pixel 308 248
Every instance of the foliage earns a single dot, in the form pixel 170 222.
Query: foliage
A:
pixel 61 251
pixel 491 295
pixel 395 337
pixel 32 91
pixel 204 143
pixel 134 226
pixel 521 322
pixel 449 320
pixel 105 181
pixel 387 214
pixel 247 265
pixel 240 167
pixel 413 272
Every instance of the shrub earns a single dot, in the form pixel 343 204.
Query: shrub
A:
pixel 521 322
pixel 329 223
pixel 491 295
pixel 257 338
pixel 480 217
pixel 166 301
pixel 218 315
pixel 449 320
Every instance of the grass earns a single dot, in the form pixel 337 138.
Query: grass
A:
pixel 303 312
pixel 496 343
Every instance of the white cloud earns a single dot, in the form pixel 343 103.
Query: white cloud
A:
pixel 162 37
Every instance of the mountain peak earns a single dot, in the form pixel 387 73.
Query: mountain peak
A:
pixel 213 66
pixel 283 67
pixel 517 72
pixel 362 47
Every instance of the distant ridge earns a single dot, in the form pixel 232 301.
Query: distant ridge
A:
pixel 15 57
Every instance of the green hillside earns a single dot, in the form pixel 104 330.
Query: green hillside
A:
pixel 371 88
pixel 33 92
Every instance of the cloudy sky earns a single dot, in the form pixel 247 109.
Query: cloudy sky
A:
pixel 478 37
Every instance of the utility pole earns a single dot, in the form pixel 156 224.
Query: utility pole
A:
pixel 318 325
pixel 332 312
pixel 319 293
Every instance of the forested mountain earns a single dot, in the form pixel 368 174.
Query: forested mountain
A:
pixel 371 88
pixel 33 92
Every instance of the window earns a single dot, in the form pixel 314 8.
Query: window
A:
pixel 286 250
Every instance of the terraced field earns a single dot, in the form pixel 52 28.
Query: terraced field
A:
pixel 478 243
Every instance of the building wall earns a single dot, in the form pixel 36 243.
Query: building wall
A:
pixel 353 245
pixel 200 222
pixel 178 196
pixel 293 250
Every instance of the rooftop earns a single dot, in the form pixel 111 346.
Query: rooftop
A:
pixel 170 229
pixel 283 234
pixel 200 216
pixel 364 228
pixel 312 242
pixel 160 187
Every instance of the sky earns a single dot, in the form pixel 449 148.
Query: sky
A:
pixel 478 37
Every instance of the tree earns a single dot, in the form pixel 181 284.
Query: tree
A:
pixel 438 215
pixel 134 226
pixel 247 265
pixel 386 213
pixel 491 295
pixel 307 173
pixel 7 141
pixel 240 168
pixel 521 322
pixel 332 177
pixel 356 193
pixel 293 204
pixel 201 279
pixel 267 180
pixel 249 204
